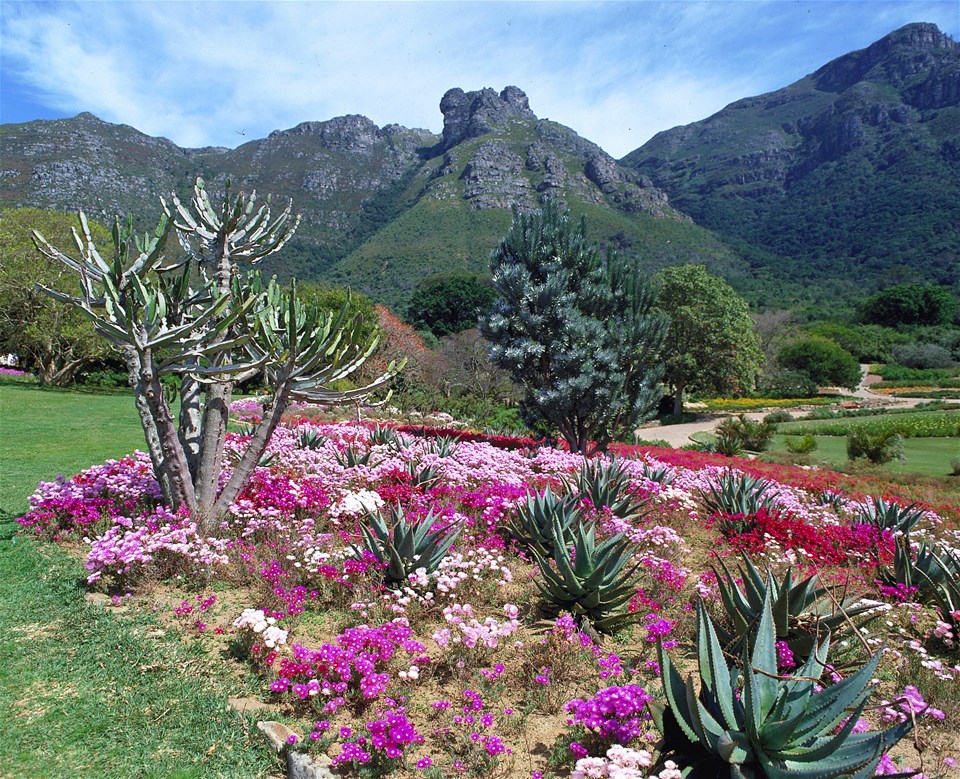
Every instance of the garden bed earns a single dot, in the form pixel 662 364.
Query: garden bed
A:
pixel 466 669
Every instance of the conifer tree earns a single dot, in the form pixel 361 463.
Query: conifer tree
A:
pixel 575 328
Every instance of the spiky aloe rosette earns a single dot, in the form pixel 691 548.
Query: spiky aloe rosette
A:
pixel 801 610
pixel 751 723
pixel 595 583
pixel 404 547
pixel 532 525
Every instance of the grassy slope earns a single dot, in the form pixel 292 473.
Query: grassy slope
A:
pixel 82 692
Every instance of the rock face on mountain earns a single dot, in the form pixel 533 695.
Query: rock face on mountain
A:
pixel 382 206
pixel 851 173
pixel 472 114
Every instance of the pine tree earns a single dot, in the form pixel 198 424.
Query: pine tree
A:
pixel 576 330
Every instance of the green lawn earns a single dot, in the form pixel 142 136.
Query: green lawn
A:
pixel 44 432
pixel 85 692
pixel 929 456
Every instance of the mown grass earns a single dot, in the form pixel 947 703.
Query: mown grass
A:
pixel 44 432
pixel 927 456
pixel 85 692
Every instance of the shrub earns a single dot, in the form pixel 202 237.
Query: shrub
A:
pixel 878 448
pixel 823 361
pixel 922 356
pixel 753 436
pixel 800 445
pixel 778 416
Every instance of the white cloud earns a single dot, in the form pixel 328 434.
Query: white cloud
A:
pixel 200 73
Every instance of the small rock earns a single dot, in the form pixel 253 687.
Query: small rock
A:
pixel 278 734
pixel 301 766
pixel 158 633
pixel 246 704
pixel 97 598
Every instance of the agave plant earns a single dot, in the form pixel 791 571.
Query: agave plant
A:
pixel 738 493
pixel 422 477
pixel 888 515
pixel 750 723
pixel 801 610
pixel 946 589
pixel 662 475
pixel 608 484
pixel 311 439
pixel 351 458
pixel 404 547
pixel 921 573
pixel 387 436
pixel 595 583
pixel 532 525
pixel 443 446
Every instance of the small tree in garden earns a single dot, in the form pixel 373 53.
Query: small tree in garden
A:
pixel 199 318
pixel 51 339
pixel 575 328
pixel 712 346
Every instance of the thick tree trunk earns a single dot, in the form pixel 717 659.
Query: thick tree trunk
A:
pixel 253 454
pixel 150 432
pixel 174 473
pixel 216 410
pixel 190 423
pixel 678 402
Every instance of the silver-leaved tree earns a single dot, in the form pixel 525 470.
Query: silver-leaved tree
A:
pixel 576 329
pixel 196 314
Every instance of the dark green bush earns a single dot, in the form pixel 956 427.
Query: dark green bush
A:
pixel 800 445
pixel 878 448
pixel 823 361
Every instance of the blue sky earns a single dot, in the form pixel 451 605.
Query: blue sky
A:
pixel 222 73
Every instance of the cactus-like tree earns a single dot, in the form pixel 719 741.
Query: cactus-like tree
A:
pixel 575 327
pixel 198 316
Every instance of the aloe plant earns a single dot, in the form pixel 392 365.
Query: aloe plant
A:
pixel 661 474
pixel 750 723
pixel 738 493
pixel 922 572
pixel 888 515
pixel 801 610
pixel 351 458
pixel 595 583
pixel 443 446
pixel 422 477
pixel 404 547
pixel 311 439
pixel 532 525
pixel 387 436
pixel 608 484
pixel 946 589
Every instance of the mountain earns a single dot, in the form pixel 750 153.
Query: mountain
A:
pixel 382 207
pixel 850 176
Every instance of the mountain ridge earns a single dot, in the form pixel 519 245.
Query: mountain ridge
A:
pixel 851 172
pixel 770 192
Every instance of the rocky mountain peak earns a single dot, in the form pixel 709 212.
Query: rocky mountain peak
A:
pixel 897 57
pixel 350 133
pixel 472 114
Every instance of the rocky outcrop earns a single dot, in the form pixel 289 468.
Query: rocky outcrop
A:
pixel 493 178
pixel 472 114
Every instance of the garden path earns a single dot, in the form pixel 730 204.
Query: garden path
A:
pixel 679 435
